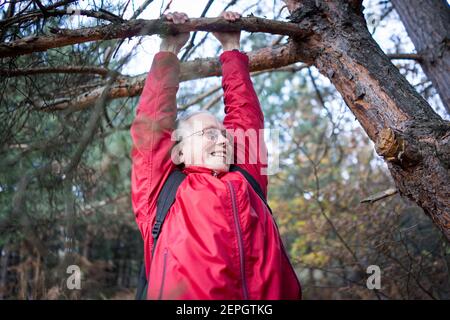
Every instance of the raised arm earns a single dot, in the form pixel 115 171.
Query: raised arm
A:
pixel 152 128
pixel 151 133
pixel 243 114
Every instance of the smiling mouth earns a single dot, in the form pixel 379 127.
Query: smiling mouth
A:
pixel 219 154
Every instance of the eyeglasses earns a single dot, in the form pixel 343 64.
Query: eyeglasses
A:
pixel 212 134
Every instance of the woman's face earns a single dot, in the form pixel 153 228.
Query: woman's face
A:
pixel 203 143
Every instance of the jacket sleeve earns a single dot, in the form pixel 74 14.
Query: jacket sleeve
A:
pixel 243 115
pixel 151 135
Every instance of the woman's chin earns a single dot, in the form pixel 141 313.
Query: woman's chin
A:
pixel 218 165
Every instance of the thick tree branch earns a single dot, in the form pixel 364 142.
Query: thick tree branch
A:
pixel 63 37
pixel 263 59
pixel 104 71
pixel 279 59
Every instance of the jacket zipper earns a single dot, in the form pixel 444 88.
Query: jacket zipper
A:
pixel 239 236
pixel 163 275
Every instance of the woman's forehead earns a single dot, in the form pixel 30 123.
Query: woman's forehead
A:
pixel 203 120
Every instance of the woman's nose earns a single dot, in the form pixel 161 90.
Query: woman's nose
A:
pixel 222 139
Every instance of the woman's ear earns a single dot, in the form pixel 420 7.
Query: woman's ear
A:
pixel 177 154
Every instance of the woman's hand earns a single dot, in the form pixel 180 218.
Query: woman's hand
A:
pixel 174 43
pixel 229 40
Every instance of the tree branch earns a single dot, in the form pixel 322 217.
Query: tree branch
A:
pixel 263 59
pixel 63 37
pixel 278 59
pixel 104 71
pixel 407 56
pixel 11 19
pixel 380 195
pixel 212 102
pixel 200 98
pixel 47 70
pixel 231 3
pixel 59 13
pixel 141 9
pixel 190 45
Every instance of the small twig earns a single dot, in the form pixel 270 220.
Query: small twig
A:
pixel 47 70
pixel 405 56
pixel 41 7
pixel 212 102
pixel 141 9
pixel 200 98
pixel 191 42
pixel 380 195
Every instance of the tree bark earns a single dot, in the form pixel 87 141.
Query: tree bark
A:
pixel 64 37
pixel 412 138
pixel 428 25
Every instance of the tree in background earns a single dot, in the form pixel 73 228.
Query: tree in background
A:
pixel 427 25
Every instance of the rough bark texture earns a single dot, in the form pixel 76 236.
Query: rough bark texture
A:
pixel 412 138
pixel 428 25
pixel 64 37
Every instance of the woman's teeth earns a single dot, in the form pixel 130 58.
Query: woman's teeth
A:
pixel 218 154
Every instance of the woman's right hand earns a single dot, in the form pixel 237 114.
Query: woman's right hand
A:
pixel 174 43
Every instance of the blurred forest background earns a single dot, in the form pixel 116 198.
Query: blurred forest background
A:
pixel 65 178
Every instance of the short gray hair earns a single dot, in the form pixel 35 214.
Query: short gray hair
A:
pixel 181 119
pixel 185 116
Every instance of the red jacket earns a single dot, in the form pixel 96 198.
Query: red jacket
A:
pixel 219 240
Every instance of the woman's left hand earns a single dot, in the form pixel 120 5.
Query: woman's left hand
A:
pixel 229 40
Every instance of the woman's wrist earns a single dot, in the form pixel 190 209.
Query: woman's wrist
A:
pixel 169 48
pixel 231 46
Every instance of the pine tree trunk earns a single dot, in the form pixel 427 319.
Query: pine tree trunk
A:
pixel 428 25
pixel 412 138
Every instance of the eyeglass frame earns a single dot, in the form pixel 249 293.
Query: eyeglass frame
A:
pixel 222 131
